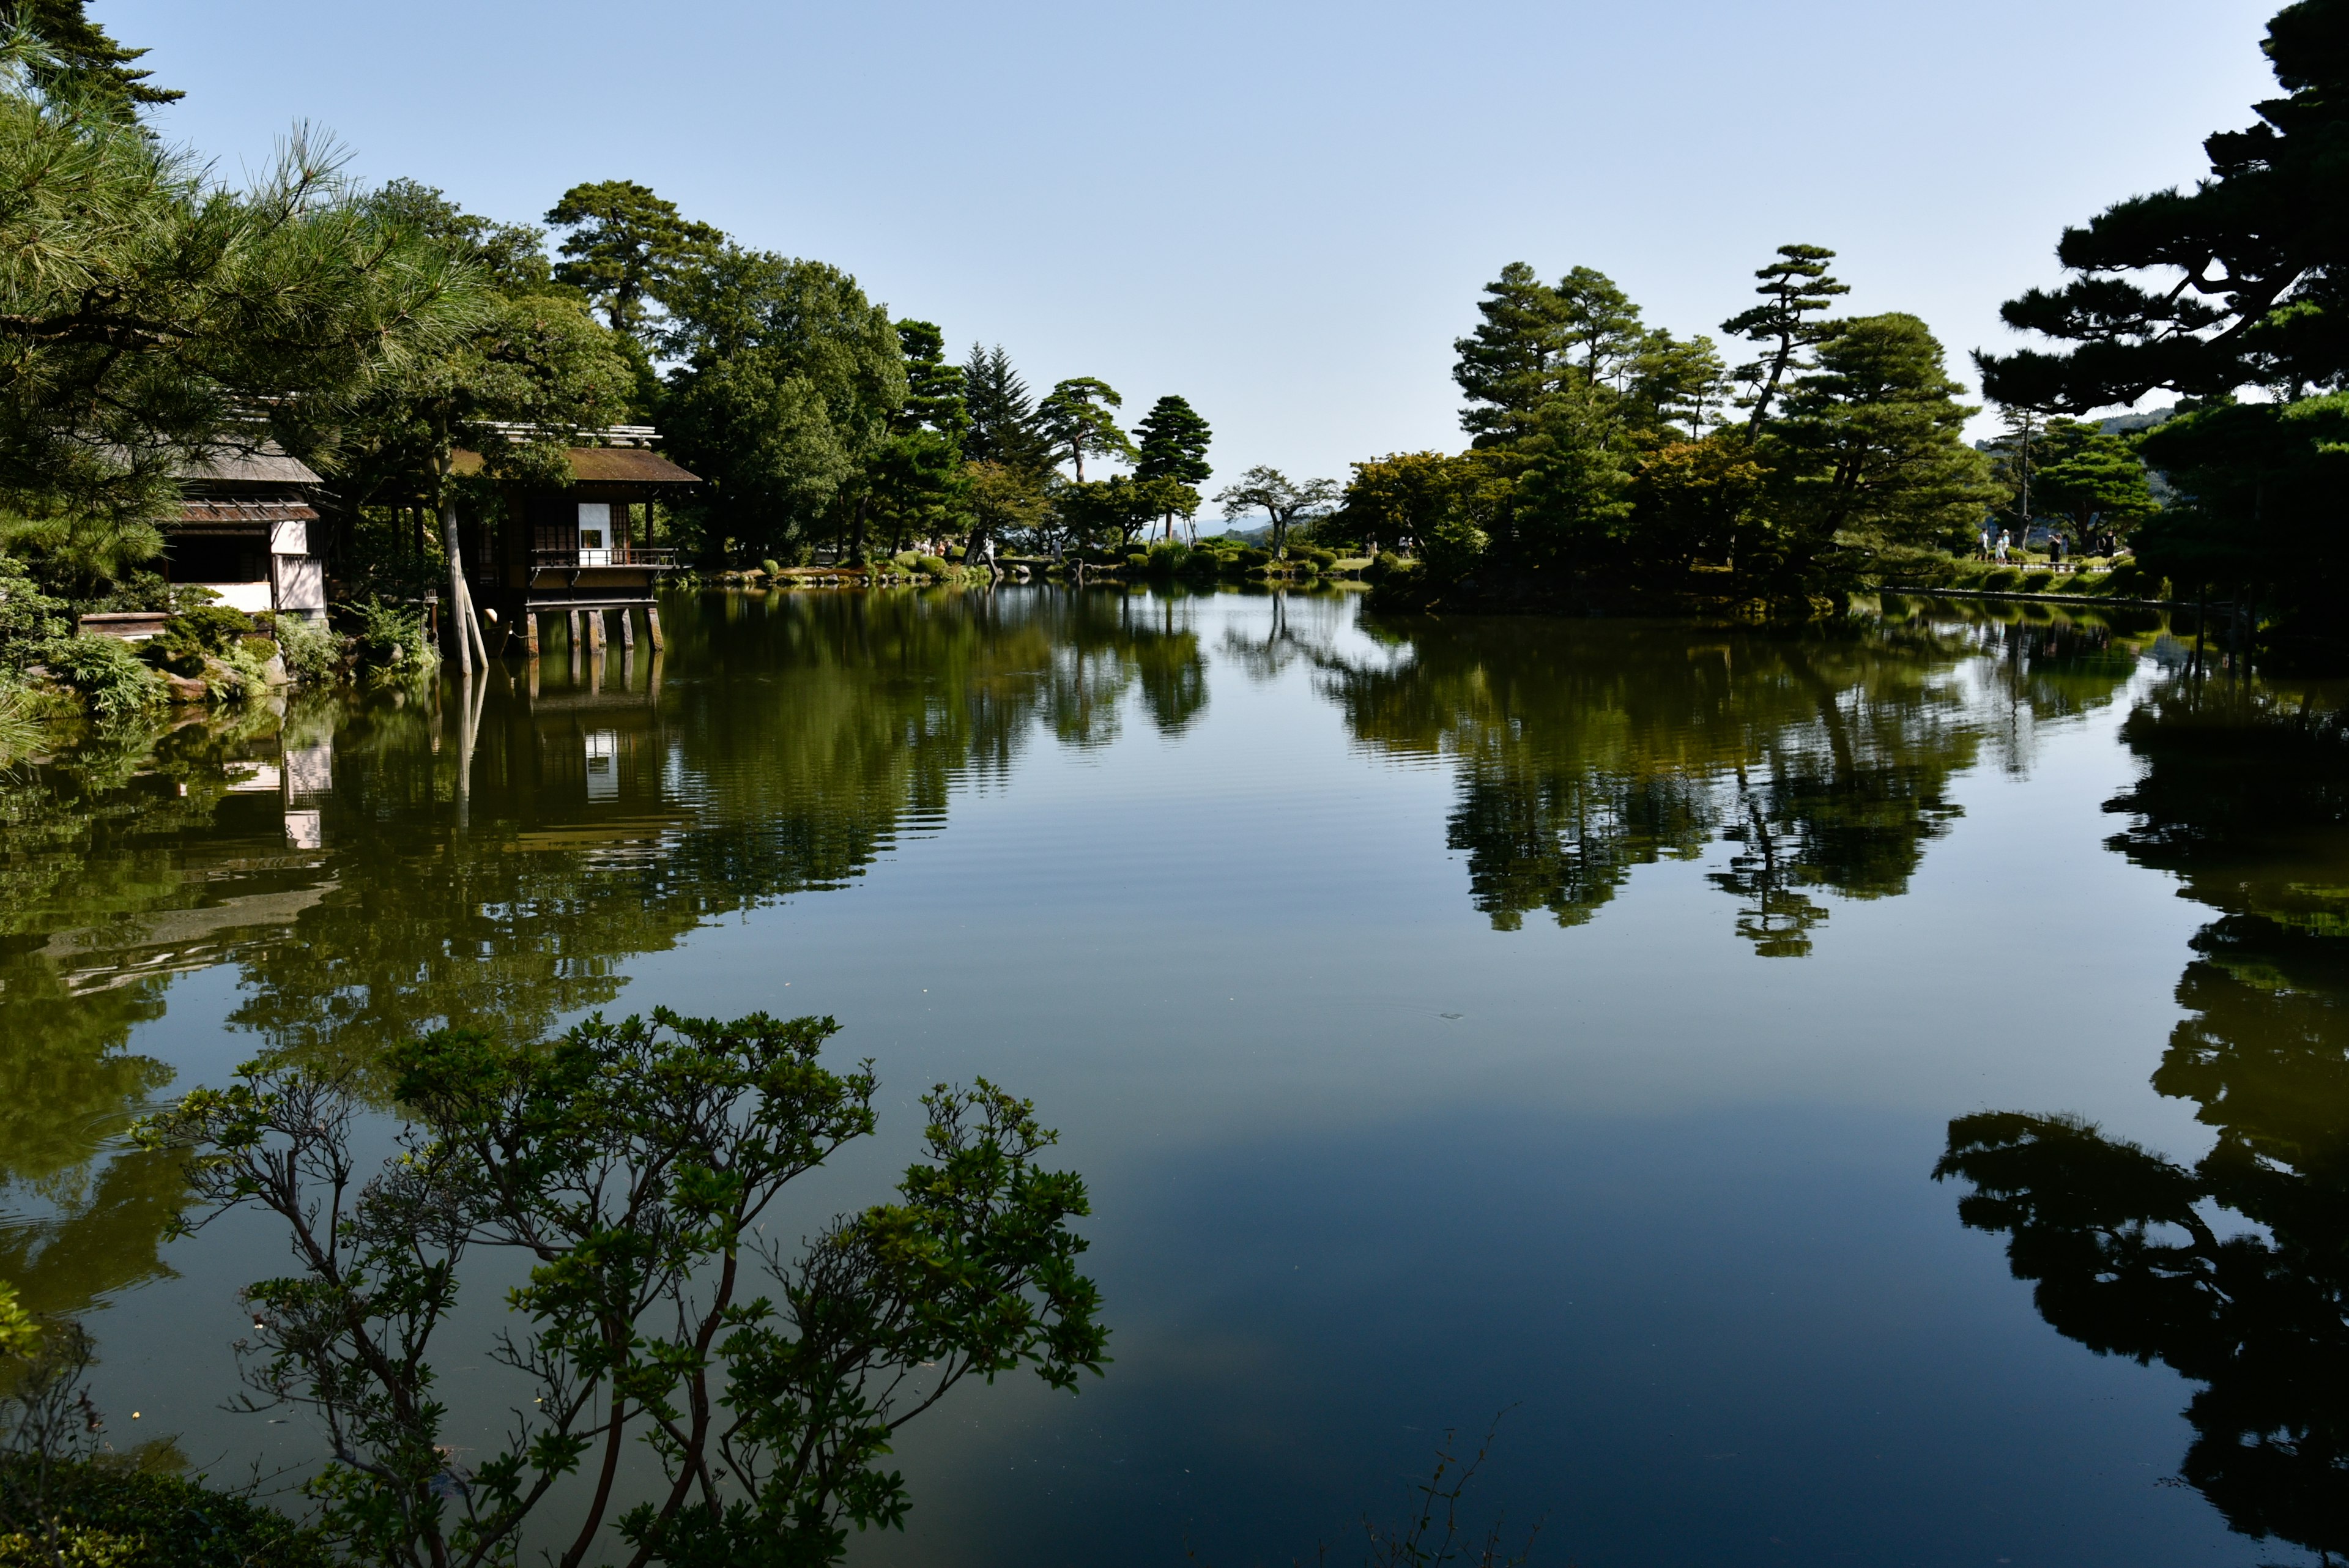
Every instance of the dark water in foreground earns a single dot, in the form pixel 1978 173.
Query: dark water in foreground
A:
pixel 1565 1017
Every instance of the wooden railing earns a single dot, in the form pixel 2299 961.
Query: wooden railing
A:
pixel 617 556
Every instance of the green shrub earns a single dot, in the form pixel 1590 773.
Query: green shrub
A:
pixel 313 653
pixel 1319 559
pixel 1138 561
pixel 1386 565
pixel 110 678
pixel 935 566
pixel 907 560
pixel 29 618
pixel 194 635
pixel 391 636
pixel 1250 557
pixel 113 1513
pixel 2003 578
pixel 773 568
pixel 957 553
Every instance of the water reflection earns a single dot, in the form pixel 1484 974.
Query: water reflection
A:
pixel 2232 1270
pixel 1823 759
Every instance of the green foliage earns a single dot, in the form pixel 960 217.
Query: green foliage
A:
pixel 631 1165
pixel 1282 501
pixel 194 635
pixel 1174 443
pixel 773 567
pixel 109 676
pixel 147 314
pixel 29 618
pixel 626 248
pixel 313 653
pixel 391 637
pixel 108 1512
pixel 2258 505
pixel 1075 418
pixel 791 381
pixel 1876 454
pixel 935 566
pixel 999 417
pixel 74 59
pixel 1794 288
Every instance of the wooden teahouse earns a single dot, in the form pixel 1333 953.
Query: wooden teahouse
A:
pixel 584 551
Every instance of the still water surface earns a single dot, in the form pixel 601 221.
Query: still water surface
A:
pixel 1562 1017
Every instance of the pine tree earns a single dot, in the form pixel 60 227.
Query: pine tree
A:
pixel 1172 458
pixel 1794 288
pixel 1002 428
pixel 1075 418
pixel 1512 362
pixel 626 247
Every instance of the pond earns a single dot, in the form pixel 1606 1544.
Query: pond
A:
pixel 1655 1036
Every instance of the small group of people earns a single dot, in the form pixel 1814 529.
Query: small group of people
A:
pixel 1994 547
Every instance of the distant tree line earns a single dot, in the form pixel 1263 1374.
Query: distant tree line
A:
pixel 1607 456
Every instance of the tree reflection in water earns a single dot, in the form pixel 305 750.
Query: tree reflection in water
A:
pixel 2234 1270
pixel 372 868
pixel 1587 749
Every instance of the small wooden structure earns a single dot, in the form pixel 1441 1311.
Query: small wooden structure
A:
pixel 246 530
pixel 583 551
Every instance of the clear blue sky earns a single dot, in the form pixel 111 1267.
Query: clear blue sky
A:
pixel 1282 210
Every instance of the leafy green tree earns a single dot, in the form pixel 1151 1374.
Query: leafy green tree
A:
pixel 791 379
pixel 1075 418
pixel 1005 505
pixel 1173 454
pixel 1699 499
pixel 1512 360
pixel 1874 454
pixel 1285 502
pixel 2257 505
pixel 1569 477
pixel 1794 288
pixel 1393 500
pixel 626 248
pixel 1092 513
pixel 529 372
pixel 2092 479
pixel 1002 415
pixel 630 1166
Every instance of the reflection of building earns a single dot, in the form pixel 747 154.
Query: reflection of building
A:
pixel 580 551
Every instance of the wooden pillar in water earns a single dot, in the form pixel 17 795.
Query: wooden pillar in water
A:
pixel 595 631
pixel 652 624
pixel 627 628
pixel 529 634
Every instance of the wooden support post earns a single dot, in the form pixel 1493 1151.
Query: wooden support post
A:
pixel 578 633
pixel 652 624
pixel 529 633
pixel 595 631
pixel 627 629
